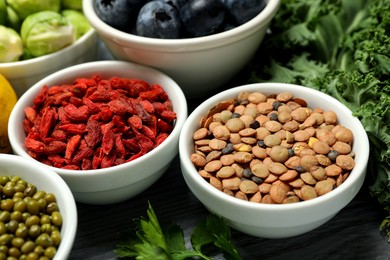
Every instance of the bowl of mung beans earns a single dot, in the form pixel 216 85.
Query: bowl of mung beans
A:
pixel 275 160
pixel 38 214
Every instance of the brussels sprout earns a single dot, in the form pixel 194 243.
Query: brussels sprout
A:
pixel 3 12
pixel 46 32
pixel 72 4
pixel 11 46
pixel 26 7
pixel 13 19
pixel 78 20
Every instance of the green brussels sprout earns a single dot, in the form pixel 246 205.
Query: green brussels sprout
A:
pixel 26 7
pixel 13 19
pixel 78 20
pixel 11 46
pixel 3 12
pixel 46 32
pixel 72 4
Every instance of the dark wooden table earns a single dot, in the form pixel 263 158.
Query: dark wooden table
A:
pixel 352 234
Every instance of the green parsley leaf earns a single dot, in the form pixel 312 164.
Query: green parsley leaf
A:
pixel 149 241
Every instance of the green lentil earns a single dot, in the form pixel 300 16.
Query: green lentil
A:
pixel 30 221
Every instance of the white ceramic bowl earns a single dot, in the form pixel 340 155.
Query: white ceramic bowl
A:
pixel 23 74
pixel 121 182
pixel 47 180
pixel 198 65
pixel 276 220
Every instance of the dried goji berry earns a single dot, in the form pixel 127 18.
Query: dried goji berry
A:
pixel 97 123
pixel 160 138
pixel 76 113
pixel 119 146
pixel 30 113
pixel 72 145
pixel 54 147
pixel 47 122
pixel 108 160
pixel 76 129
pixel 108 141
pixel 81 154
pixel 135 121
pixel 86 164
pixel 34 145
pixel 94 133
pixel 41 97
pixel 97 158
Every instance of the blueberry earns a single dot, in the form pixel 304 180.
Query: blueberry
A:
pixel 202 17
pixel 157 19
pixel 176 3
pixel 120 14
pixel 241 11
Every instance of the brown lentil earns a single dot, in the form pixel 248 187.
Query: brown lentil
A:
pixel 269 149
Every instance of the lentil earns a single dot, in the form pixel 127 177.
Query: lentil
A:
pixel 29 222
pixel 272 149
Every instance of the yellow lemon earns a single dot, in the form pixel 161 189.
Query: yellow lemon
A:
pixel 8 100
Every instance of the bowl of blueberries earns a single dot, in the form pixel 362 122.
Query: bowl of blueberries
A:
pixel 201 44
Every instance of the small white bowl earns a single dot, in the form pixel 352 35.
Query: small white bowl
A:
pixel 121 182
pixel 46 180
pixel 276 220
pixel 199 65
pixel 23 74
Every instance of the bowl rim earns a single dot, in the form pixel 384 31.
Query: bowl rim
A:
pixel 51 56
pixel 180 103
pixel 68 234
pixel 192 173
pixel 177 45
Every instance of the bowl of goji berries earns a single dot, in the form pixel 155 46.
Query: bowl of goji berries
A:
pixel 201 44
pixel 110 129
pixel 275 160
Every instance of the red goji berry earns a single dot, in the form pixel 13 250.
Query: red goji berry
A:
pixel 86 164
pixel 160 138
pixel 30 113
pixel 47 122
pixel 77 129
pixel 97 158
pixel 72 145
pixel 108 160
pixel 119 146
pixel 81 154
pixel 108 141
pixel 97 123
pixel 164 126
pixel 76 113
pixel 34 145
pixel 94 133
pixel 135 121
pixel 41 97
pixel 59 98
pixel 54 147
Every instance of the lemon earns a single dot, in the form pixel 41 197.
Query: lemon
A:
pixel 8 100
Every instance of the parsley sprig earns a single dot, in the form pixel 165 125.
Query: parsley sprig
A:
pixel 149 241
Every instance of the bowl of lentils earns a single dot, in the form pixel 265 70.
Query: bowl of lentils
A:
pixel 38 218
pixel 275 160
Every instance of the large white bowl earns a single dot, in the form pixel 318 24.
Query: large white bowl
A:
pixel 47 180
pixel 121 182
pixel 276 220
pixel 23 74
pixel 199 65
